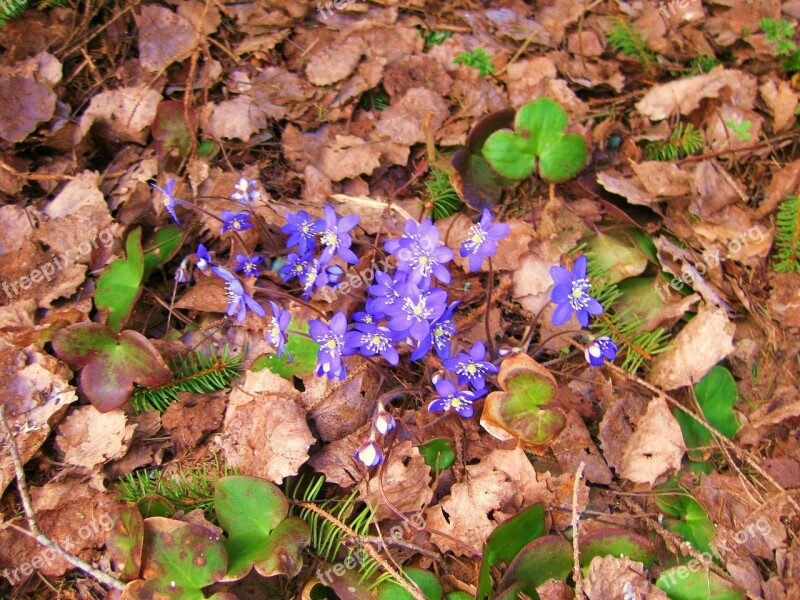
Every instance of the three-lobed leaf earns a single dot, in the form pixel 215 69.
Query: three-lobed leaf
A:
pixel 539 135
pixel 111 363
pixel 254 514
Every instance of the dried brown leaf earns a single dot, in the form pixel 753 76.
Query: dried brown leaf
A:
pixel 655 448
pixel 89 438
pixel 701 344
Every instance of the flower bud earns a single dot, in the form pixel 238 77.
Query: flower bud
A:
pixel 370 453
pixel 384 422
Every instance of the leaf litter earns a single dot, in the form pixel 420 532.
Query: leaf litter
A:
pixel 689 113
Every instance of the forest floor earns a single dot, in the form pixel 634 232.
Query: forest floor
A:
pixel 147 396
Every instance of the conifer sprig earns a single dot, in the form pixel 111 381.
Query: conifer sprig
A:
pixel 197 373
pixel 787 236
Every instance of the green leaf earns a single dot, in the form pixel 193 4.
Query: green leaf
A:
pixel 548 557
pixel 427 582
pixel 155 505
pixel 617 542
pixel 618 255
pixel 179 559
pixel 111 363
pixel 539 134
pixel 302 349
pixel 562 158
pixel 716 394
pixel 519 410
pixel 506 541
pixel 438 454
pixel 681 583
pixel 253 513
pixel 165 244
pixel 124 544
pixel 119 285
pixel 540 122
pixel 509 154
pixel 690 521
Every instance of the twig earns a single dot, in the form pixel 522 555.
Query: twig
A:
pixel 576 555
pixel 33 528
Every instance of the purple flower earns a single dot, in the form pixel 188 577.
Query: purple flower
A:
pixel 416 309
pixel 169 198
pixel 332 345
pixel 571 293
pixel 482 240
pixel 442 331
pixel 276 330
pixel 248 265
pixel 312 277
pixel 246 192
pixel 182 272
pixel 296 265
pixel 370 454
pixel 238 300
pixel 335 237
pixel 410 234
pixel 384 290
pixel 203 258
pixel 369 315
pixel 235 222
pixel 471 368
pixel 450 397
pixel 335 274
pixel 602 348
pixel 371 340
pixel 425 257
pixel 301 229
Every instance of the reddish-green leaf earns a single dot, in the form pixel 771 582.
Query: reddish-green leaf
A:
pixel 111 363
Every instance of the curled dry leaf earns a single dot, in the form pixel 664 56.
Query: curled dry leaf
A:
pixel 406 482
pixel 76 516
pixel 656 447
pixel 610 577
pixel 26 96
pixel 706 340
pixel 684 95
pixel 35 392
pixel 89 438
pixel 123 115
pixel 265 433
pixel 494 490
pixel 164 37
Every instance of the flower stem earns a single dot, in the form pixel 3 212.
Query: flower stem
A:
pixel 489 341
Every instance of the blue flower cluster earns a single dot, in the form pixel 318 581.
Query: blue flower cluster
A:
pixel 334 237
pixel 404 308
pixel 571 296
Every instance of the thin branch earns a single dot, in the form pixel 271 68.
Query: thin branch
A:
pixel 33 528
pixel 576 555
